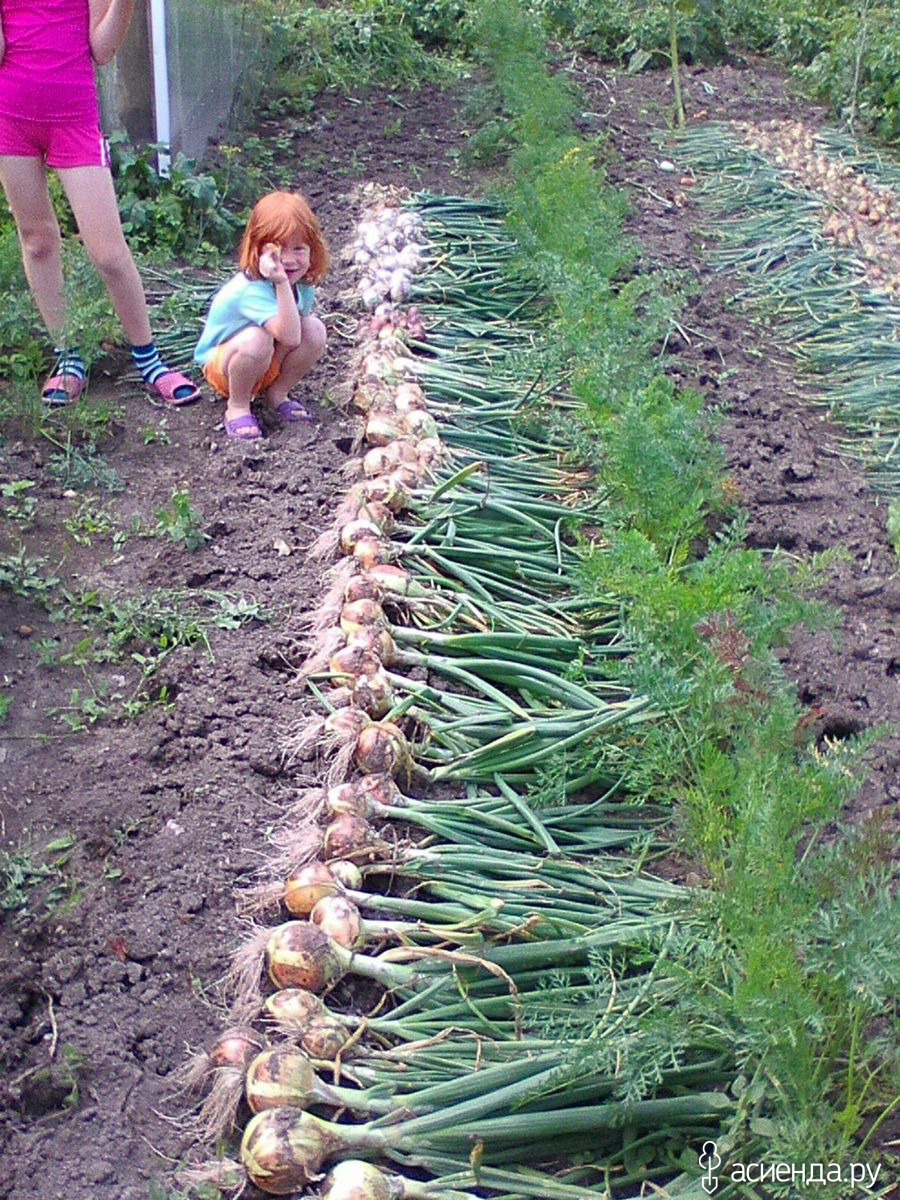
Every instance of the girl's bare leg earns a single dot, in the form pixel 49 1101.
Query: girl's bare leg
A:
pixel 25 183
pixel 298 361
pixel 244 362
pixel 92 197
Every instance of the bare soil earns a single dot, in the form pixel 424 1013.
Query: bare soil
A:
pixel 111 969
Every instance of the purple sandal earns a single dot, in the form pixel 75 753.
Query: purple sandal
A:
pixel 292 411
pixel 236 427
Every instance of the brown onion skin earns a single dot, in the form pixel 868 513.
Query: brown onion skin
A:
pixel 362 587
pixel 347 873
pixel 300 955
pixel 373 694
pixel 370 552
pixel 324 1039
pixel 381 749
pixel 306 886
pixel 236 1047
pixel 283 1150
pixel 280 1078
pixel 391 579
pixel 380 788
pixel 354 661
pixel 340 919
pixel 362 612
pixel 346 723
pixel 356 1180
pixel 376 641
pixel 347 836
pixel 295 1007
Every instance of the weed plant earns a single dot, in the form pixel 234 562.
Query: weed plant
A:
pixel 354 45
pixel 790 964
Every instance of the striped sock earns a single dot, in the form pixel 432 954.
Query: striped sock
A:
pixel 68 363
pixel 148 362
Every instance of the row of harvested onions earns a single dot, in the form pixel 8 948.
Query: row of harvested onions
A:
pixel 495 901
pixel 861 214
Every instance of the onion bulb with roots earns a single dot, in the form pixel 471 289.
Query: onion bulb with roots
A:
pixel 362 587
pixel 382 749
pixel 282 1077
pixel 373 552
pixel 375 641
pixel 346 724
pixel 358 614
pixel 390 578
pixel 354 531
pixel 340 919
pixel 386 490
pixel 302 1014
pixel 284 1150
pixel 431 449
pixel 381 430
pixel 300 955
pixel 408 396
pixel 306 886
pixel 354 1179
pixel 358 795
pixel 381 460
pixel 235 1047
pixel 348 837
pixel 379 514
pixel 353 662
pixel 420 423
pixel 373 694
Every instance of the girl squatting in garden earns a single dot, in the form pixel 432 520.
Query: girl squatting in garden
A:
pixel 261 336
pixel 49 118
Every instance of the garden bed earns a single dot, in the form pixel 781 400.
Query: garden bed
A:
pixel 132 835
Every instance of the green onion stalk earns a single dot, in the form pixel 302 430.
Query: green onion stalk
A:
pixel 283 1150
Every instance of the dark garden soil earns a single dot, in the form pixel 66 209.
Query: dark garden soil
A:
pixel 111 970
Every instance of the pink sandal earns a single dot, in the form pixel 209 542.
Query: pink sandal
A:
pixel 62 389
pixel 168 386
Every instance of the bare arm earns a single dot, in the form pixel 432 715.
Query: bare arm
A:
pixel 109 24
pixel 285 326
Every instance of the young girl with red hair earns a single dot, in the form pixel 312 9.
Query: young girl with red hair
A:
pixel 260 336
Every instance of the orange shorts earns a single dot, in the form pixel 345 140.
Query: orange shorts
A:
pixel 217 379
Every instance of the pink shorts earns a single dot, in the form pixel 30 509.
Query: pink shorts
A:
pixel 60 146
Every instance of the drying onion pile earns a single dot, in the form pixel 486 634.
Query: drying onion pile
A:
pixel 388 252
pixel 453 646
pixel 861 213
pixel 812 222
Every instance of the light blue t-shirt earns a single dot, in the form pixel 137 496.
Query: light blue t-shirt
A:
pixel 242 302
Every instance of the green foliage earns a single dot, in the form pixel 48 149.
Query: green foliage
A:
pixel 181 522
pixel 352 45
pixel 636 31
pixel 845 52
pixel 16 503
pixel 83 469
pixel 21 871
pixel 23 575
pixel 663 471
pixel 893 526
pixel 5 705
pixel 178 216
